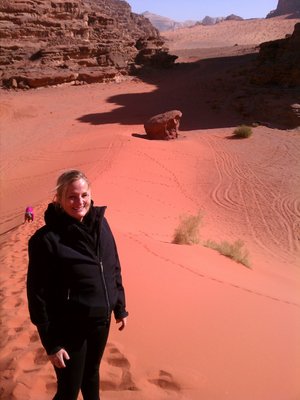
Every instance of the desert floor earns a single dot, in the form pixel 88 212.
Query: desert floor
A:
pixel 201 326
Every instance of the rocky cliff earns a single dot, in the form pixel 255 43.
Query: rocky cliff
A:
pixel 45 42
pixel 279 61
pixel 286 7
pixel 273 95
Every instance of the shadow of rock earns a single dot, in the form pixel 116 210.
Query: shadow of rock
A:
pixel 141 136
pixel 200 90
pixel 211 93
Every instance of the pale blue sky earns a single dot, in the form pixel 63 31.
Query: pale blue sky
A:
pixel 181 10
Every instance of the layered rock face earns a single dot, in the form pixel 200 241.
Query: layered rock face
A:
pixel 279 61
pixel 45 42
pixel 277 73
pixel 285 7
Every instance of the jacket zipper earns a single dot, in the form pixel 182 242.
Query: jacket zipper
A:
pixel 102 269
pixel 105 290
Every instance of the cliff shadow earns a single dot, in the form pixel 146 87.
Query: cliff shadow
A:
pixel 203 90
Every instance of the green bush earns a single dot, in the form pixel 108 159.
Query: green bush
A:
pixel 242 131
pixel 234 250
pixel 188 229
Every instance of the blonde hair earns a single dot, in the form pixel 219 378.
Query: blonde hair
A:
pixel 64 180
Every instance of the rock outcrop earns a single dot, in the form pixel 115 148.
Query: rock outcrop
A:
pixel 163 126
pixel 279 61
pixel 286 7
pixel 45 42
pixel 270 87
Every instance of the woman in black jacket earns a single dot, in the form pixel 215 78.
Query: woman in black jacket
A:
pixel 74 283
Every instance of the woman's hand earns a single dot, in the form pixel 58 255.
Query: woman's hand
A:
pixel 58 359
pixel 123 322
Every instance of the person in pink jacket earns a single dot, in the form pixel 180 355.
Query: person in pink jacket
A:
pixel 29 214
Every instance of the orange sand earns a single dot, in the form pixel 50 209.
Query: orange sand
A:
pixel 230 33
pixel 201 326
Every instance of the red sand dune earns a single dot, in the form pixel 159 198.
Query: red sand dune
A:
pixel 201 326
pixel 230 33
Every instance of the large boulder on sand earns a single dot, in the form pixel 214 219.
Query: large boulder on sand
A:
pixel 163 126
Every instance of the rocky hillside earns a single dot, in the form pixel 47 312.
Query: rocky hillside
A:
pixel 279 61
pixel 286 7
pixel 273 94
pixel 45 42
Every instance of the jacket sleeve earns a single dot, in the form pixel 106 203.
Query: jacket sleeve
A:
pixel 37 292
pixel 120 307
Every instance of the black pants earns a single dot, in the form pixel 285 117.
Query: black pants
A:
pixel 85 344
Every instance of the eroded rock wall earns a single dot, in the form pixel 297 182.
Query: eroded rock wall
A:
pixel 279 61
pixel 45 42
pixel 286 7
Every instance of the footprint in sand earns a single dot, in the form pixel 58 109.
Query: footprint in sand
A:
pixel 34 337
pixel 116 358
pixel 40 357
pixel 121 377
pixel 165 380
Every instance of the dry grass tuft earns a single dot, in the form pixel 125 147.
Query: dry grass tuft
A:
pixel 235 250
pixel 188 229
pixel 188 233
pixel 243 131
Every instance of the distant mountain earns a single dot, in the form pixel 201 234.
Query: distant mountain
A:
pixel 166 24
pixel 233 17
pixel 211 20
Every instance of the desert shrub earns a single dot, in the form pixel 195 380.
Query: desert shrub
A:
pixel 188 230
pixel 234 250
pixel 242 131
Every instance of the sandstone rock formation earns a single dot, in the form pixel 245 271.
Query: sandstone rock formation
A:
pixel 279 61
pixel 45 42
pixel 269 89
pixel 285 7
pixel 163 126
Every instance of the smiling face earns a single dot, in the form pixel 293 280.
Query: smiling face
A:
pixel 76 200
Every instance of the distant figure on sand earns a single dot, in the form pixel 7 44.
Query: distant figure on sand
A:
pixel 29 215
pixel 74 284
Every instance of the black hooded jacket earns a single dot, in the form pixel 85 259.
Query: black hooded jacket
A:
pixel 74 273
